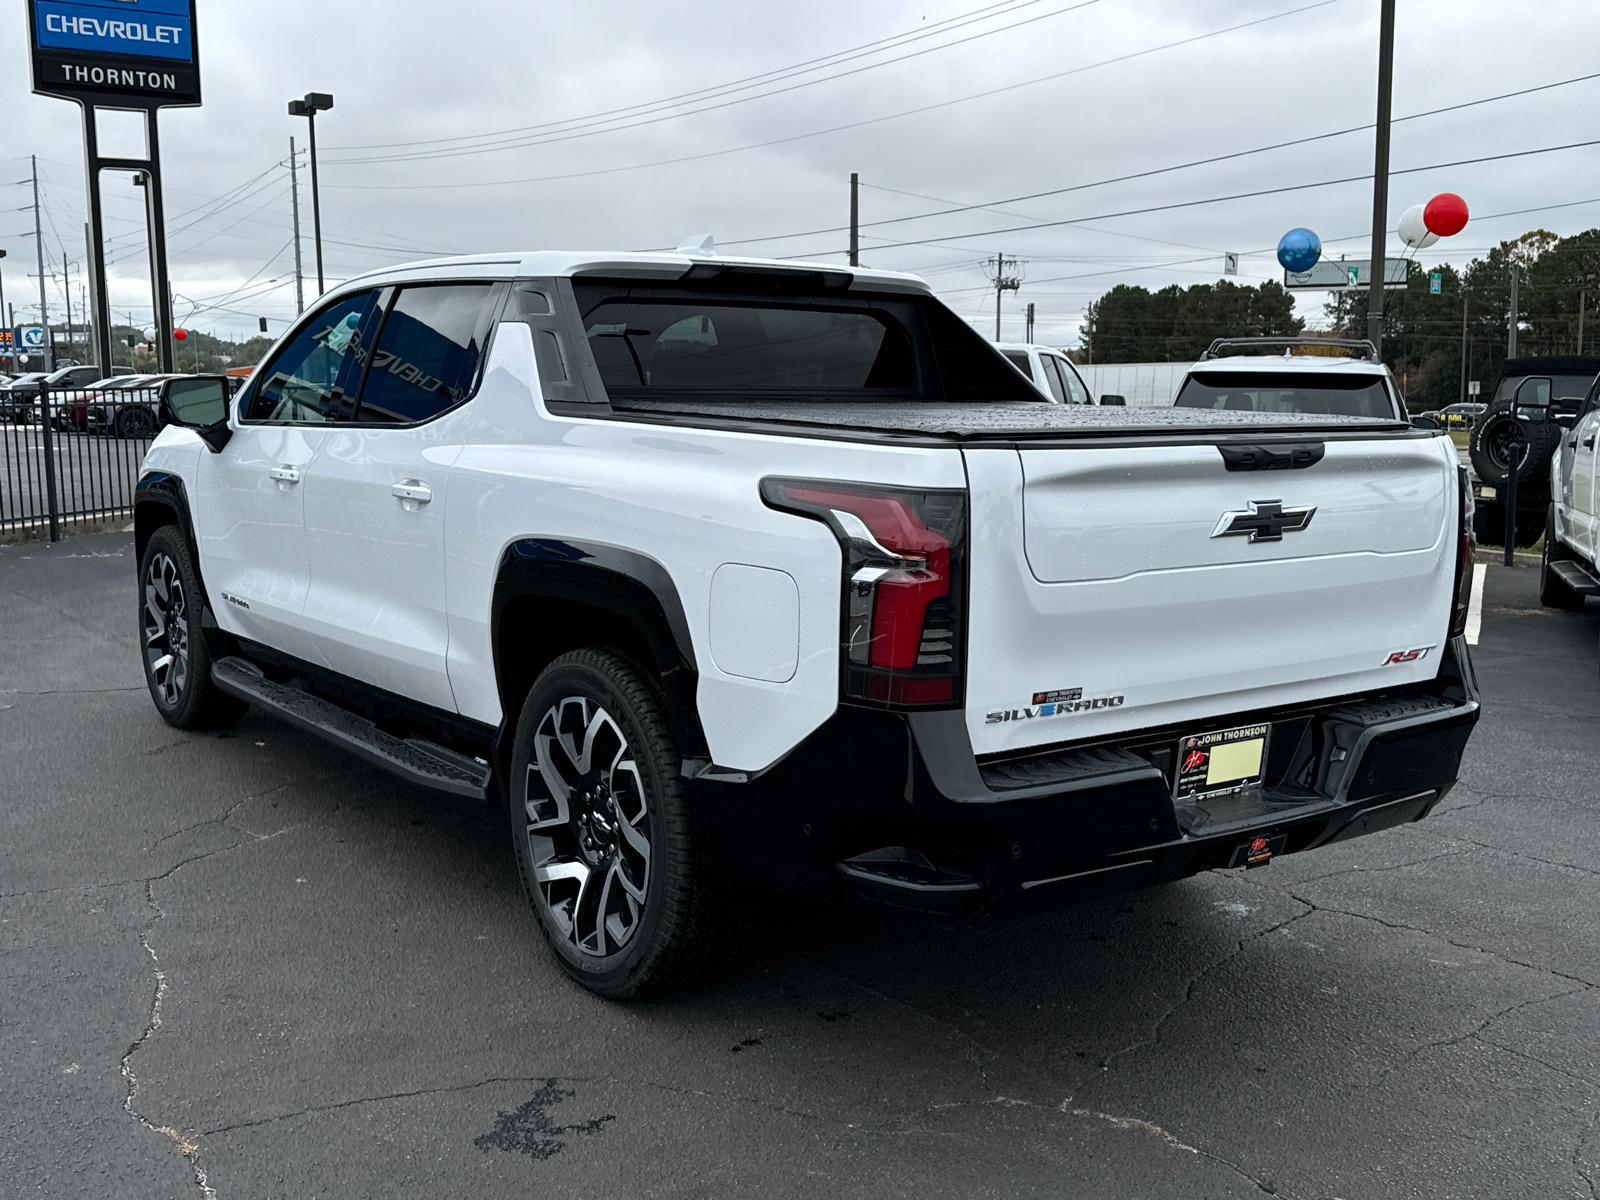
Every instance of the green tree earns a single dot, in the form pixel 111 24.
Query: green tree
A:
pixel 1176 324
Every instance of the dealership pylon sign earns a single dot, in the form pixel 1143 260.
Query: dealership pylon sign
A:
pixel 121 54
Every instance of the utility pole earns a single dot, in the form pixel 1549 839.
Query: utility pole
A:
pixel 9 334
pixel 855 219
pixel 1511 331
pixel 1003 283
pixel 294 203
pixel 38 241
pixel 1030 323
pixel 1380 175
pixel 1463 337
pixel 94 309
pixel 66 290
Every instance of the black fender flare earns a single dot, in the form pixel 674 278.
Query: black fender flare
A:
pixel 159 498
pixel 634 587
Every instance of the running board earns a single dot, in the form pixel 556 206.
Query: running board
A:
pixel 413 759
pixel 1577 577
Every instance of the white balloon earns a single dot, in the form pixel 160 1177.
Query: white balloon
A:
pixel 1414 231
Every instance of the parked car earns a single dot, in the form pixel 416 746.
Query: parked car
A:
pixel 722 573
pixel 1235 375
pixel 69 408
pixel 1567 568
pixel 1554 388
pixel 1048 370
pixel 132 410
pixel 19 397
pixel 1460 416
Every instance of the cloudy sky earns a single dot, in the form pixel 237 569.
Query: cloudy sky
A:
pixel 630 125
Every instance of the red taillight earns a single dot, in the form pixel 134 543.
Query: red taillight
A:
pixel 1462 599
pixel 902 585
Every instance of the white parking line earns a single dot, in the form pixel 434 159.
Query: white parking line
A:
pixel 1475 604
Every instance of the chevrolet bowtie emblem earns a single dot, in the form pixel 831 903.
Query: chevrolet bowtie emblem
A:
pixel 1264 521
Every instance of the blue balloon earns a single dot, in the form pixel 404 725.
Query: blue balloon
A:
pixel 1298 250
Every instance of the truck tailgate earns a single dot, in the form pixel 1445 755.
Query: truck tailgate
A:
pixel 1107 597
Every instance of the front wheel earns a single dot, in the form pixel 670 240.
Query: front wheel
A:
pixel 1553 593
pixel 616 878
pixel 136 424
pixel 177 665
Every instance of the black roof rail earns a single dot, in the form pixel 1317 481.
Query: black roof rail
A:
pixel 1217 348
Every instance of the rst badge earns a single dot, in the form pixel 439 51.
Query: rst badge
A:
pixel 1406 656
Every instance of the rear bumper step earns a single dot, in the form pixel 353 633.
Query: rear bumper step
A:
pixel 413 759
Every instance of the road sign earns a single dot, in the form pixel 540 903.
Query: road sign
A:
pixel 30 337
pixel 108 50
pixel 1230 264
pixel 1435 283
pixel 1472 387
pixel 1332 276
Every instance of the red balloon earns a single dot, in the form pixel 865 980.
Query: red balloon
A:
pixel 180 334
pixel 1445 214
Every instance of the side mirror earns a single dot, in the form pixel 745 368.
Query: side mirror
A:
pixel 1117 401
pixel 1425 423
pixel 201 404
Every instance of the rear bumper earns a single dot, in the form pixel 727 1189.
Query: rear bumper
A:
pixel 894 808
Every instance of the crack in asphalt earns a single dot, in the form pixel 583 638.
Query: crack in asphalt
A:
pixel 1416 1051
pixel 1549 862
pixel 1359 870
pixel 184 1144
pixel 73 691
pixel 1344 912
pixel 1195 981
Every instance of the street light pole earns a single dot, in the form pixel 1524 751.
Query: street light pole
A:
pixel 309 107
pixel 9 334
pixel 1380 176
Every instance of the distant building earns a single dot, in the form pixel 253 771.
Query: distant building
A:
pixel 1151 384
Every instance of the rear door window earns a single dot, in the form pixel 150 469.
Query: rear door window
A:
pixel 1019 359
pixel 1297 392
pixel 1052 378
pixel 1077 393
pixel 428 352
pixel 315 377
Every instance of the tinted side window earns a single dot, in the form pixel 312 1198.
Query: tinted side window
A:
pixel 1020 360
pixel 427 354
pixel 1052 374
pixel 315 377
pixel 1077 393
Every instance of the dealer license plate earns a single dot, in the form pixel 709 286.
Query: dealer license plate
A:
pixel 1226 761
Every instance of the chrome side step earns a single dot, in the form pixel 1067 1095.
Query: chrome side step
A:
pixel 413 759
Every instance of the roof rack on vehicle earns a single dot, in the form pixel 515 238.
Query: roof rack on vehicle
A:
pixel 1219 347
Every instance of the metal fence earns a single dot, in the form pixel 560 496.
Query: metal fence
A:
pixel 70 457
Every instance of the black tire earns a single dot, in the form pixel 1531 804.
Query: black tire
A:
pixel 625 823
pixel 1552 592
pixel 177 663
pixel 1491 454
pixel 135 423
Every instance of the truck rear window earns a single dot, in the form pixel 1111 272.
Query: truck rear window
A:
pixel 1291 392
pixel 654 344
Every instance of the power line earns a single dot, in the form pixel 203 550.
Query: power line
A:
pixel 843 128
pixel 578 132
pixel 1199 162
pixel 1296 187
pixel 749 81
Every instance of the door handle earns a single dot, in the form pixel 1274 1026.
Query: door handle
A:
pixel 284 474
pixel 1588 442
pixel 413 493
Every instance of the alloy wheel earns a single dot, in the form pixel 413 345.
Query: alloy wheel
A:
pixel 165 626
pixel 587 827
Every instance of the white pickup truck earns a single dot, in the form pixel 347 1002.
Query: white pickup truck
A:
pixel 725 574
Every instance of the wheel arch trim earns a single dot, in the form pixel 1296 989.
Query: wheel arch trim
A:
pixel 633 587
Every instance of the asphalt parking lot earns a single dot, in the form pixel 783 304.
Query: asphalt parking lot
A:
pixel 244 965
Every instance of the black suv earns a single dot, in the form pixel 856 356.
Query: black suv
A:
pixel 1535 402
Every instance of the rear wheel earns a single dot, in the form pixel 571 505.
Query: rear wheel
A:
pixel 177 665
pixel 613 871
pixel 1553 593
pixel 136 423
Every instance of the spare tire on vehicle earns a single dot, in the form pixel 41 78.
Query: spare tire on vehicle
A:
pixel 1491 447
